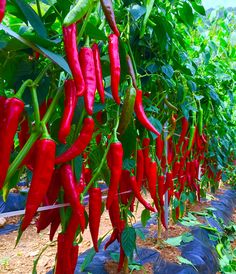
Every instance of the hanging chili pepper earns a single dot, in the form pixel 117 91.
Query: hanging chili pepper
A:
pixel 141 115
pixel 131 71
pixel 200 121
pixel 146 147
pixel 69 108
pixel 183 131
pixel 191 136
pixel 113 50
pixel 98 69
pixel 2 9
pixel 136 190
pixel 68 183
pixel 70 44
pixel 152 182
pixel 173 126
pixel 112 239
pixel 114 213
pixel 89 74
pixel 176 168
pixel 55 223
pixel 127 110
pixel 80 143
pixel 77 12
pixel 60 267
pixel 159 147
pixel 170 154
pixel 45 217
pixel 107 8
pixel 95 207
pixel 139 168
pixel 43 171
pixel 12 111
pixel 74 257
pixel 116 157
pixel 122 258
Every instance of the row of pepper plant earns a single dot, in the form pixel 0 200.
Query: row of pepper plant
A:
pixel 133 95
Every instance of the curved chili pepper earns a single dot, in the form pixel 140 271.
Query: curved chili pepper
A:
pixel 80 143
pixel 112 239
pixel 89 74
pixel 116 157
pixel 69 108
pixel 107 8
pixel 55 223
pixel 192 133
pixel 43 171
pixel 131 71
pixel 141 115
pixel 113 50
pixel 68 183
pixel 13 108
pixel 159 147
pixel 70 44
pixel 114 213
pixel 147 159
pixel 173 124
pixel 176 168
pixel 170 154
pixel 135 188
pixel 139 168
pixel 2 9
pixel 98 69
pixel 200 121
pixel 152 182
pixel 60 267
pixel 146 147
pixel 95 206
pixel 74 257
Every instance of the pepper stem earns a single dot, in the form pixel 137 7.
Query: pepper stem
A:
pixel 117 125
pixel 35 106
pixel 45 134
pixel 21 90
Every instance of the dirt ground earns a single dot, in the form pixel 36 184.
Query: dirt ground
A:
pixel 20 259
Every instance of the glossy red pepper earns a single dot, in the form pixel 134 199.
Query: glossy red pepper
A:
pixel 107 8
pixel 176 168
pixel 146 147
pixel 113 49
pixel 68 183
pixel 136 190
pixel 159 147
pixel 89 74
pixel 170 154
pixel 124 187
pixel 112 239
pixel 60 264
pixel 70 44
pixel 116 157
pixel 122 258
pixel 12 111
pixel 98 69
pixel 55 223
pixel 2 9
pixel 95 207
pixel 43 171
pixel 80 143
pixel 170 185
pixel 114 213
pixel 70 102
pixel 139 168
pixel 152 182
pixel 141 115
pixel 74 257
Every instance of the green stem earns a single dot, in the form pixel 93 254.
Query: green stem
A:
pixel 36 107
pixel 41 74
pixel 45 134
pixel 38 8
pixel 18 160
pixel 21 90
pixel 97 171
pixel 85 22
pixel 79 124
pixel 52 106
pixel 117 124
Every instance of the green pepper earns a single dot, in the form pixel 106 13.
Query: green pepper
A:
pixel 200 121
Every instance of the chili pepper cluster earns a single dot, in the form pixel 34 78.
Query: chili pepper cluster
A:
pixel 163 164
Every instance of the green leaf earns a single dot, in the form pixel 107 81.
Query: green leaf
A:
pixel 93 32
pixel 78 161
pixel 198 8
pixel 174 241
pixel 183 260
pixel 149 6
pixel 186 14
pixel 32 17
pixel 137 11
pixel 140 234
pixel 167 70
pixel 128 240
pixel 145 216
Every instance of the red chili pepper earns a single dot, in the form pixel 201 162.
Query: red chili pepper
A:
pixel 70 44
pixel 161 189
pixel 152 182
pixel 170 155
pixel 110 16
pixel 74 257
pixel 146 147
pixel 182 180
pixel 113 49
pixel 80 143
pixel 136 190
pixel 89 74
pixel 55 223
pixel 43 171
pixel 46 217
pixel 12 111
pixel 95 207
pixel 112 239
pixel 2 103
pixel 163 220
pixel 116 157
pixel 44 107
pixel 159 147
pixel 122 258
pixel 176 168
pixel 100 121
pixel 98 69
pixel 124 186
pixel 87 175
pixel 141 115
pixel 114 213
pixel 183 131
pixel 60 267
pixel 170 185
pixel 68 183
pixel 69 108
pixel 2 9
pixel 140 168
